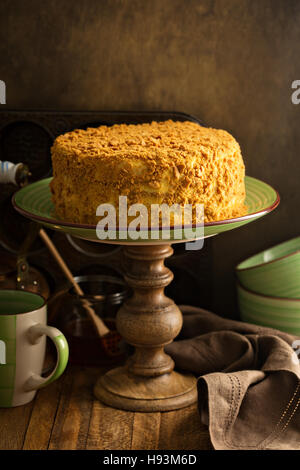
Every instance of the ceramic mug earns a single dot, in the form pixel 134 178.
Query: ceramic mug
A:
pixel 23 331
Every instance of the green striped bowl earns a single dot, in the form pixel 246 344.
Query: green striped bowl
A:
pixel 34 201
pixel 280 313
pixel 274 272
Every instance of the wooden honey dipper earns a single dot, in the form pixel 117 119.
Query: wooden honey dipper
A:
pixel 111 340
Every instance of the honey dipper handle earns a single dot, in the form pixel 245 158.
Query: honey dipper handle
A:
pixel 97 322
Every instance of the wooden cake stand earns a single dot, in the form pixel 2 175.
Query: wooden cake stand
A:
pixel 148 320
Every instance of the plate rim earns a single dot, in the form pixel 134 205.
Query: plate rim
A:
pixel 62 223
pixel 268 297
pixel 267 263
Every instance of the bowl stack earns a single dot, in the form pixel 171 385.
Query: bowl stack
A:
pixel 269 287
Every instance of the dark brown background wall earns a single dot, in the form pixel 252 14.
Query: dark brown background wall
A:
pixel 229 62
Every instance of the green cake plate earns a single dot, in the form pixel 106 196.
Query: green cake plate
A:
pixel 34 201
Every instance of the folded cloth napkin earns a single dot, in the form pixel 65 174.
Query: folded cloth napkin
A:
pixel 249 380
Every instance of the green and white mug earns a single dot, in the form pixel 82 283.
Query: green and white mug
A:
pixel 23 331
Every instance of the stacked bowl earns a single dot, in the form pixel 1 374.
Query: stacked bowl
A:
pixel 269 287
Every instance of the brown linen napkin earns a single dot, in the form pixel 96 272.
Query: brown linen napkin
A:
pixel 249 380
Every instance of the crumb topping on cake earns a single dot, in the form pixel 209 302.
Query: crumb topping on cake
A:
pixel 159 162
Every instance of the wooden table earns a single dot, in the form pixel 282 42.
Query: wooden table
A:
pixel 65 415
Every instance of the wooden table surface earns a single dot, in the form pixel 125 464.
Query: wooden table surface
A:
pixel 65 415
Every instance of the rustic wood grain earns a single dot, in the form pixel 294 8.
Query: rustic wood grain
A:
pixel 56 435
pixel 13 425
pixel 110 429
pixel 183 430
pixel 72 421
pixel 145 432
pixel 65 415
pixel 40 426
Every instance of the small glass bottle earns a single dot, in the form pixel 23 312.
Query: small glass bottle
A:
pixel 15 173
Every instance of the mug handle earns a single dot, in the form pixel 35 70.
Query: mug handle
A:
pixel 34 333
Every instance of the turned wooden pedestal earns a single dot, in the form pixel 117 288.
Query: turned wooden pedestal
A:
pixel 148 320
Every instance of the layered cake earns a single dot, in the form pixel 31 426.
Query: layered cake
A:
pixel 154 163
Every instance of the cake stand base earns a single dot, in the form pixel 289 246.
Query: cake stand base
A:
pixel 166 392
pixel 148 320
